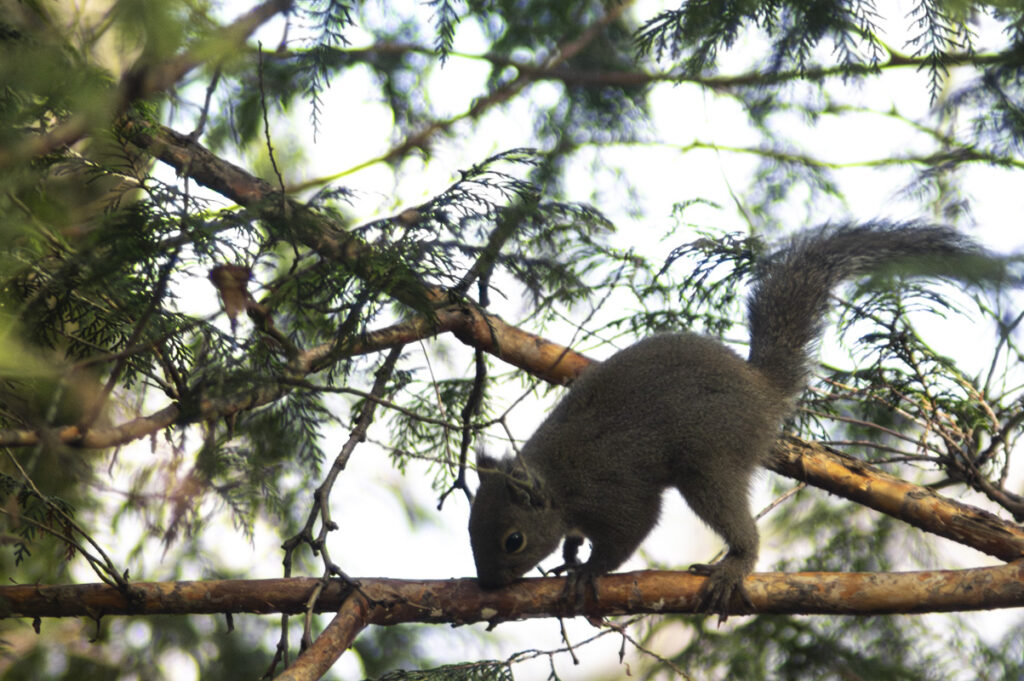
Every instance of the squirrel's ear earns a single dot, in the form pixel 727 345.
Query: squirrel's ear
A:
pixel 522 487
pixel 505 466
pixel 491 467
pixel 525 488
pixel 487 462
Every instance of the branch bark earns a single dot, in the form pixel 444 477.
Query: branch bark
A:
pixel 550 361
pixel 919 506
pixel 337 636
pixel 461 601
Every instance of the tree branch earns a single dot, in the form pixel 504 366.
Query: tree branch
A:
pixel 142 80
pixel 335 639
pixel 581 77
pixel 543 358
pixel 461 601
pixel 919 506
pixel 552 362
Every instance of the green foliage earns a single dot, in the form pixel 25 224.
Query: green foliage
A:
pixel 477 671
pixel 446 19
pixel 107 317
pixel 65 651
pixel 419 434
pixel 697 32
pixel 43 78
pixel 1005 660
pixel 794 648
pixel 35 517
pixel 943 30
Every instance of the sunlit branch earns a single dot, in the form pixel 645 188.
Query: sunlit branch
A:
pixel 958 156
pixel 913 504
pixel 461 601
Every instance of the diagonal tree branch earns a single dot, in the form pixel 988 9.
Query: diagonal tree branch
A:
pixel 550 361
pixel 919 506
pixel 142 80
pixel 353 616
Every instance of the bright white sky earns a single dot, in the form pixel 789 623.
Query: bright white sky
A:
pixel 370 500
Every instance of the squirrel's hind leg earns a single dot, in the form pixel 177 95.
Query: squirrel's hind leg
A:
pixel 726 510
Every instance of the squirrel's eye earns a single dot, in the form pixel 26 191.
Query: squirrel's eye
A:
pixel 514 542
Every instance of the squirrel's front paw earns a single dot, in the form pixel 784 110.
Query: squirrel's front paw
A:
pixel 720 591
pixel 564 567
pixel 578 581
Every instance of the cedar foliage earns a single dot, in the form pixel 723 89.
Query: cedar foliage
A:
pixel 108 312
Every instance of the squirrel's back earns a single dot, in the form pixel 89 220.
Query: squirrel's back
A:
pixel 667 407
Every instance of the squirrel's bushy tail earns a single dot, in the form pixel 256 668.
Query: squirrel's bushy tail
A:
pixel 790 299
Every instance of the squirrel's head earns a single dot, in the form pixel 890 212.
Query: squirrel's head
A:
pixel 512 524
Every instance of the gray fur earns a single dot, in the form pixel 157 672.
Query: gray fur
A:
pixel 679 410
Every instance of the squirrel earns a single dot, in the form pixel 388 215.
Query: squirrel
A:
pixel 682 410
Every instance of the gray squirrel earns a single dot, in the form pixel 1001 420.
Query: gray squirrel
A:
pixel 685 411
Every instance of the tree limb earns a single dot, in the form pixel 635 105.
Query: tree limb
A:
pixel 335 639
pixel 461 601
pixel 142 80
pixel 919 506
pixel 545 359
pixel 586 77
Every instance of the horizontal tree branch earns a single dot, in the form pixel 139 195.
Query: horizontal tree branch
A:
pixel 461 601
pixel 958 153
pixel 584 77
